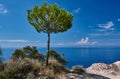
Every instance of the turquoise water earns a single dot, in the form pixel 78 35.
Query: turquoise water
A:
pixel 80 56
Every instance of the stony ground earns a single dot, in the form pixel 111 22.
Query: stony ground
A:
pixel 95 71
pixel 111 71
pixel 84 76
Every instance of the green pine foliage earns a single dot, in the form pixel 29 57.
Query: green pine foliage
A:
pixel 49 19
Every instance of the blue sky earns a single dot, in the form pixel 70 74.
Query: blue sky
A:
pixel 96 23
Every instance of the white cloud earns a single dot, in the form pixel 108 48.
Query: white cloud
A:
pixel 85 41
pixel 3 10
pixel 76 10
pixel 57 44
pixel 112 29
pixel 101 30
pixel 107 26
pixel 20 41
pixel 118 19
pixel 100 34
pixel 14 41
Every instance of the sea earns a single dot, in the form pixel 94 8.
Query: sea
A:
pixel 84 56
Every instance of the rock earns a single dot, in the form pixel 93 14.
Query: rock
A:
pixel 117 63
pixel 95 71
pixel 83 76
pixel 115 67
pixel 111 71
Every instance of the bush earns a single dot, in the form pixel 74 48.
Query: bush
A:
pixel 56 66
pixel 28 63
pixel 31 76
pixel 78 69
pixel 1 61
pixel 49 73
pixel 27 52
pixel 56 56
pixel 20 69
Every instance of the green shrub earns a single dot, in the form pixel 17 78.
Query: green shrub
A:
pixel 1 61
pixel 27 52
pixel 28 63
pixel 31 76
pixel 20 69
pixel 56 56
pixel 56 66
pixel 78 69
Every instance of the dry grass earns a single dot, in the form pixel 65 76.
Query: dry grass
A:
pixel 78 69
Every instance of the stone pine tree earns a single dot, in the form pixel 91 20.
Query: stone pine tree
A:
pixel 49 19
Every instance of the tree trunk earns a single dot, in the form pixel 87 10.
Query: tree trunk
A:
pixel 48 48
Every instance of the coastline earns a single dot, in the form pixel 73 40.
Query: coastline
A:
pixel 97 71
pixel 79 56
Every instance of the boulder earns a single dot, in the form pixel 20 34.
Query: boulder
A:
pixel 111 71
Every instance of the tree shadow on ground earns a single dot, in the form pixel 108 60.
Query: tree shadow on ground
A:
pixel 93 76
